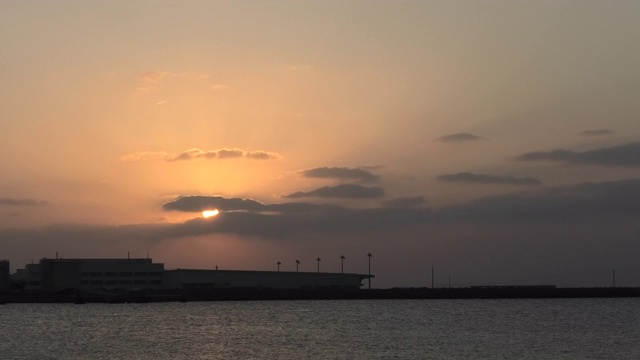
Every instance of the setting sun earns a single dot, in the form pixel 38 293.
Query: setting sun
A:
pixel 210 213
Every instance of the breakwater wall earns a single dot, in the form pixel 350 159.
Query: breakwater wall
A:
pixel 328 294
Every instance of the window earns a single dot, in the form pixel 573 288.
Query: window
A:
pixel 110 282
pixel 140 282
pixel 96 274
pixel 125 282
pixel 140 273
pixel 111 274
pixel 96 282
pixel 155 282
pixel 126 273
pixel 155 273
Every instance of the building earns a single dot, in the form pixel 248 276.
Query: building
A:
pixel 100 274
pixel 31 276
pixel 143 274
pixel 221 279
pixel 4 275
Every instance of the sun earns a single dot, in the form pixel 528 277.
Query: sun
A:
pixel 210 213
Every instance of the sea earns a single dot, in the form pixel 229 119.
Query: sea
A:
pixel 342 329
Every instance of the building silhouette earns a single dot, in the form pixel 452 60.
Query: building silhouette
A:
pixel 143 274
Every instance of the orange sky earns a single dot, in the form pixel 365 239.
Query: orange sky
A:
pixel 423 132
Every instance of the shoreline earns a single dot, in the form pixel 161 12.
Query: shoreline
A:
pixel 324 294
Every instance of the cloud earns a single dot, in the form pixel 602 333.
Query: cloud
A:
pixel 198 203
pixel 404 202
pixel 145 155
pixel 580 202
pixel 21 202
pixel 575 206
pixel 471 178
pixel 201 203
pixel 340 173
pixel 597 132
pixel 150 80
pixel 459 137
pixel 576 230
pixel 153 80
pixel 344 191
pixel 195 153
pixel 622 155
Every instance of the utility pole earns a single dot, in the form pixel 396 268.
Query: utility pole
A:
pixel 369 255
pixel 432 277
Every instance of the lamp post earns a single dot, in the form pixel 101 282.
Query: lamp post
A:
pixel 369 255
pixel 297 264
pixel 342 264
pixel 318 260
pixel 278 263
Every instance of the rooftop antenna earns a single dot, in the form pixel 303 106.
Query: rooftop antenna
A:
pixel 369 255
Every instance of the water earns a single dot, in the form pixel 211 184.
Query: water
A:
pixel 367 329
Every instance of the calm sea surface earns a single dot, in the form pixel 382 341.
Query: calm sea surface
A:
pixel 353 329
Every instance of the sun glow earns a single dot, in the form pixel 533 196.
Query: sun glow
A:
pixel 210 213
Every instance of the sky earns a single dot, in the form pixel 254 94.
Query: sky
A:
pixel 497 142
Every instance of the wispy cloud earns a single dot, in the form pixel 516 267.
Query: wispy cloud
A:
pixel 404 202
pixel 597 132
pixel 344 191
pixel 622 155
pixel 153 80
pixel 150 80
pixel 21 202
pixel 471 178
pixel 459 137
pixel 198 203
pixel 193 154
pixel 340 173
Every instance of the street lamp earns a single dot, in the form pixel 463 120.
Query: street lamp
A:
pixel 297 264
pixel 278 265
pixel 342 263
pixel 369 255
pixel 318 260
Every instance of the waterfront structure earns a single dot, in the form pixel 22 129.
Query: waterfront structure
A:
pixel 142 274
pixel 220 279
pixel 4 275
pixel 87 274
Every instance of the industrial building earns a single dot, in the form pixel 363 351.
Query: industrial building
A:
pixel 4 275
pixel 144 274
pixel 216 279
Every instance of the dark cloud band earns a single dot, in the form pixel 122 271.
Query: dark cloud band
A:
pixel 471 178
pixel 344 191
pixel 340 173
pixel 622 155
pixel 459 137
